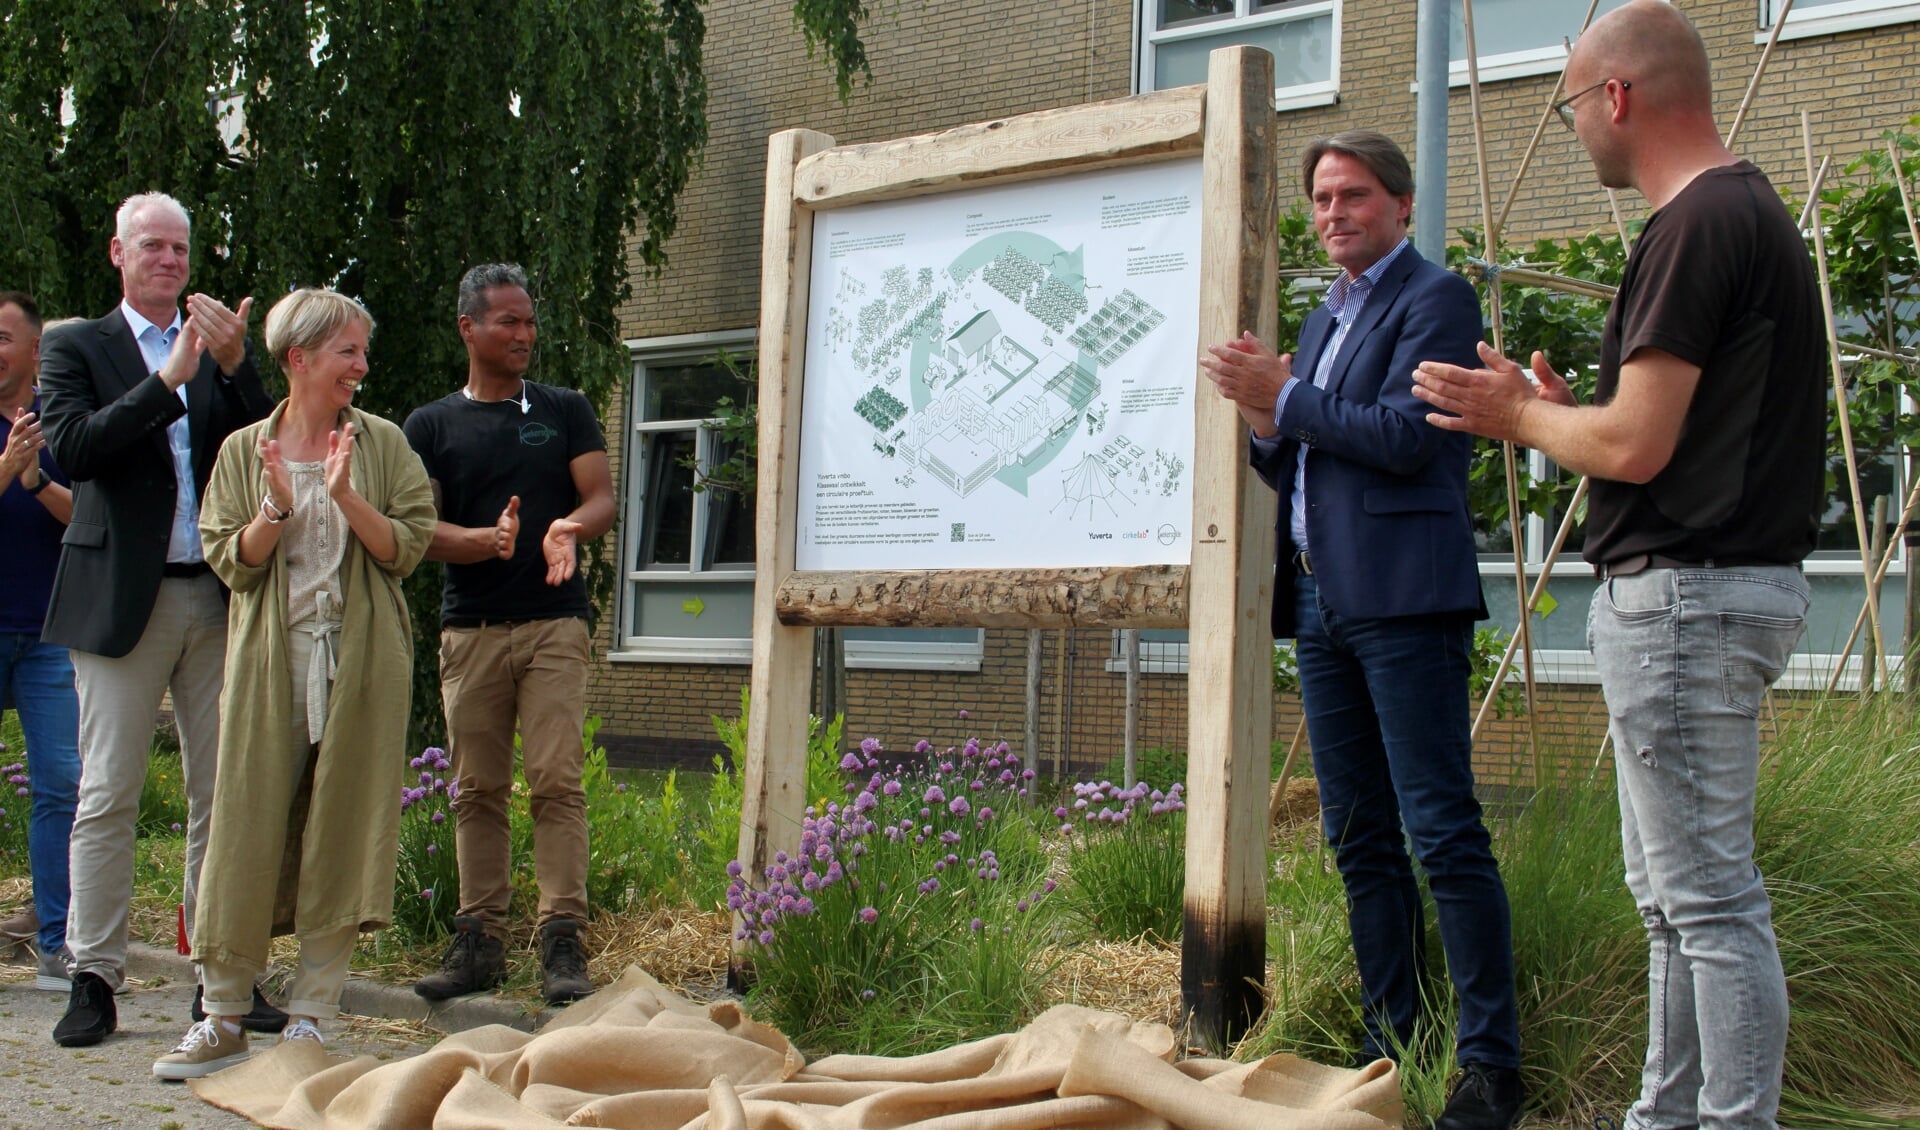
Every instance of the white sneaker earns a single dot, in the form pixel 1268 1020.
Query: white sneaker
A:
pixel 209 1046
pixel 300 1028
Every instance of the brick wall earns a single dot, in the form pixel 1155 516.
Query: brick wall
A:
pixel 937 64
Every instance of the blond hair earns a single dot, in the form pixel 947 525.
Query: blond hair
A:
pixel 309 318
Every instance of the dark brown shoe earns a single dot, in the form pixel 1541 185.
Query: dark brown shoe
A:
pixel 563 962
pixel 473 963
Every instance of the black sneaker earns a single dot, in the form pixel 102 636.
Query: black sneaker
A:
pixel 1485 1098
pixel 563 962
pixel 263 1017
pixel 473 962
pixel 90 1014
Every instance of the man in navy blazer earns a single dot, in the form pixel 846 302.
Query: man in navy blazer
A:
pixel 1375 578
pixel 137 404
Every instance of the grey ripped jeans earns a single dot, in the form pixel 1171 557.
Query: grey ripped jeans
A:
pixel 1685 657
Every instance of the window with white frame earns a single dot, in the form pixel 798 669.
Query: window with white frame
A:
pixel 687 541
pixel 1829 17
pixel 1516 38
pixel 1303 35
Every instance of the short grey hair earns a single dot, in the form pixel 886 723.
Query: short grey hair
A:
pixel 475 284
pixel 1381 155
pixel 133 206
pixel 308 319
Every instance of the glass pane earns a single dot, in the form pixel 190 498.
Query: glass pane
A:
pixel 1500 26
pixel 709 610
pixel 730 527
pixel 1173 13
pixel 693 391
pixel 913 635
pixel 1302 52
pixel 666 513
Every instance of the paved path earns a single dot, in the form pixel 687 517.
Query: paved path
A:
pixel 47 1087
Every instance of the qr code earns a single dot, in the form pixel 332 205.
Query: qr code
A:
pixel 958 532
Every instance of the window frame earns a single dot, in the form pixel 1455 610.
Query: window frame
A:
pixel 696 348
pixel 1832 19
pixel 1148 38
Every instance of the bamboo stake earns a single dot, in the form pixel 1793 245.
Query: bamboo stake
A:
pixel 1286 772
pixel 1840 406
pixel 1514 521
pixel 1913 233
pixel 1546 115
pixel 1819 179
pixel 1539 586
pixel 1753 84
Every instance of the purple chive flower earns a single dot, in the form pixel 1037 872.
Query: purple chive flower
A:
pixel 922 746
pixel 934 795
pixel 870 746
pixel 439 818
pixel 734 869
pixel 891 788
pixel 427 894
pixel 426 776
pixel 176 826
pixel 1049 886
pixel 433 849
pixel 963 714
pixel 869 915
pixel 1021 906
pixel 850 762
pixel 975 925
pixel 766 937
pixel 959 806
pixel 986 813
pixel 866 994
pixel 1060 812
pixel 620 787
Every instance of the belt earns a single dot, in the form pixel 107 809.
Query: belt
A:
pixel 186 570
pixel 1303 564
pixel 1641 562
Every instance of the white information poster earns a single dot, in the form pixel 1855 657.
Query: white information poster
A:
pixel 1003 377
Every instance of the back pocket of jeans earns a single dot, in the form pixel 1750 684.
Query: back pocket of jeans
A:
pixel 1753 653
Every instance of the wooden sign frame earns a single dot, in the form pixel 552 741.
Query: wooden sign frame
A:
pixel 1221 596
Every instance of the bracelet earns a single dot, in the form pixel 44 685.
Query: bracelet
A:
pixel 273 514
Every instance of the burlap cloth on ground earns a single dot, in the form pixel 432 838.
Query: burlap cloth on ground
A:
pixel 636 1055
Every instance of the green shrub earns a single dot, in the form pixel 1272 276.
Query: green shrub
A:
pixel 426 876
pixel 719 836
pixel 911 915
pixel 1126 874
pixel 16 803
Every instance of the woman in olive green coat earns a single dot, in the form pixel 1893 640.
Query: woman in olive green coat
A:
pixel 313 516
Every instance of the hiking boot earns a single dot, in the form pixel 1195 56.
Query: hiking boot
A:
pixel 54 971
pixel 1486 1098
pixel 563 962
pixel 209 1046
pixel 90 1014
pixel 474 961
pixel 263 1017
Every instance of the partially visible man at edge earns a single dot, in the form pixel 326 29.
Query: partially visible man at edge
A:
pixel 137 404
pixel 1706 443
pixel 1375 576
pixel 520 477
pixel 36 677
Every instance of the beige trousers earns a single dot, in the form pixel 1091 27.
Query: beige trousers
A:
pixel 325 956
pixel 534 671
pixel 184 649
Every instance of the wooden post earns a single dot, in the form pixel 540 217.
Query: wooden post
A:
pixel 1229 680
pixel 775 775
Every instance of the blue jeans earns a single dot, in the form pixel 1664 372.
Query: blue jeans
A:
pixel 36 679
pixel 1387 712
pixel 1685 656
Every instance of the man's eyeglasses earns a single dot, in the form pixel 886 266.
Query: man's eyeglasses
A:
pixel 1564 107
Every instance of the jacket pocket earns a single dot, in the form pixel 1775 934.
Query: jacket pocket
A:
pixel 85 533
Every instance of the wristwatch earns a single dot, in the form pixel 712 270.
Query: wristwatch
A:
pixel 41 483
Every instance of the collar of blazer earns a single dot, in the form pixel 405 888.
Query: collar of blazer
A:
pixel 1319 325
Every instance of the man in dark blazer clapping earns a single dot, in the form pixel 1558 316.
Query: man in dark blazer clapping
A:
pixel 1376 579
pixel 136 405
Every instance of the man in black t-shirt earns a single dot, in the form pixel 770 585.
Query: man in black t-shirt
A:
pixel 519 473
pixel 1706 445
